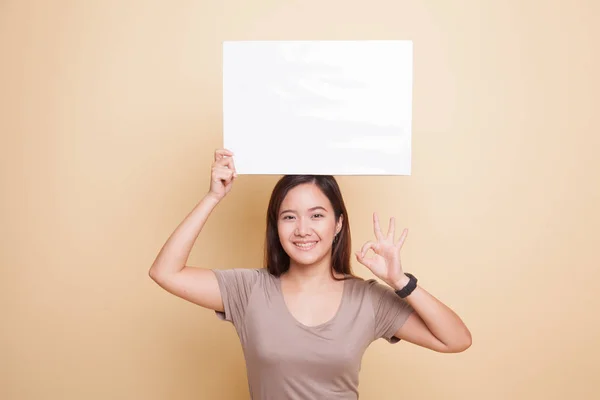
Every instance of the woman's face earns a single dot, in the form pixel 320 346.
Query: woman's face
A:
pixel 306 224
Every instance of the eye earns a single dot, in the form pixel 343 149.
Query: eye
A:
pixel 318 215
pixel 287 217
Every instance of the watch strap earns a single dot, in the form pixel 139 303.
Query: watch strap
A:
pixel 410 286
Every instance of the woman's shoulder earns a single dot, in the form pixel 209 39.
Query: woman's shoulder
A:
pixel 359 281
pixel 246 276
pixel 245 271
pixel 367 286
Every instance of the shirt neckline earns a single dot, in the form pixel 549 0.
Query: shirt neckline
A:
pixel 295 320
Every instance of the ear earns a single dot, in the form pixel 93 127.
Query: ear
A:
pixel 340 223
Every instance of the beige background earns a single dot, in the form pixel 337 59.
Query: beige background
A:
pixel 110 112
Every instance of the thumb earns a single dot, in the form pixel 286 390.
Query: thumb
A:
pixel 363 260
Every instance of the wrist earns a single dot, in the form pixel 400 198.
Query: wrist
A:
pixel 406 289
pixel 400 283
pixel 213 198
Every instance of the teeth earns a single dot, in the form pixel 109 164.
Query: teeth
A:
pixel 305 245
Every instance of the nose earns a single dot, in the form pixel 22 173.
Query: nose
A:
pixel 302 227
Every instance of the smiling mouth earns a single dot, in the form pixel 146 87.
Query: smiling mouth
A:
pixel 305 246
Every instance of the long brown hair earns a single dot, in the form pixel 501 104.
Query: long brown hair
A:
pixel 276 259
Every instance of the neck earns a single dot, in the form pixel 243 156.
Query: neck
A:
pixel 311 277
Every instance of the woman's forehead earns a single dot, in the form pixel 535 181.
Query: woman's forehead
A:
pixel 305 197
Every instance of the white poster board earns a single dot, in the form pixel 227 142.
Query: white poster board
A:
pixel 318 107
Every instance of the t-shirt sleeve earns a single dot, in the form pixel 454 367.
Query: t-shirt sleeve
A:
pixel 235 286
pixel 391 311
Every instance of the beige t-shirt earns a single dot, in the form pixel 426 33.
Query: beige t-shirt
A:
pixel 286 359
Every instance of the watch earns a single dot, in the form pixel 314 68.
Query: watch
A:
pixel 410 286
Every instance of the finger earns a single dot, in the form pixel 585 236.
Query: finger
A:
pixel 227 180
pixel 233 168
pixel 222 171
pixel 220 153
pixel 365 248
pixel 392 229
pixel 376 227
pixel 226 161
pixel 223 174
pixel 402 238
pixel 364 261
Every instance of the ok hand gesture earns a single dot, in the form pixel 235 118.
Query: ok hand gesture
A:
pixel 385 263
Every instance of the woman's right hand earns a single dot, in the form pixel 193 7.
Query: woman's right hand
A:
pixel 223 174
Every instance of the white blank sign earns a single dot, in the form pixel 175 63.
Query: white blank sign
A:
pixel 318 107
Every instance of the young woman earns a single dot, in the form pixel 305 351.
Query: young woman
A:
pixel 305 320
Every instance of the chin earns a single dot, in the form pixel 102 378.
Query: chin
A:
pixel 304 257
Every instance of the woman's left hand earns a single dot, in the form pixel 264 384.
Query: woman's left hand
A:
pixel 385 263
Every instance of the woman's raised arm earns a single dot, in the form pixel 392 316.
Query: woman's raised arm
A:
pixel 198 285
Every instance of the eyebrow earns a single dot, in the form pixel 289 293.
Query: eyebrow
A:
pixel 310 209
